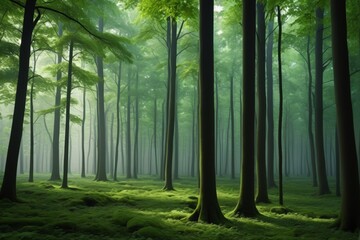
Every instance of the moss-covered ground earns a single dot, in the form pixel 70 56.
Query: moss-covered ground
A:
pixel 139 209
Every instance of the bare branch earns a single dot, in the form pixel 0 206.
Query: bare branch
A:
pixel 181 27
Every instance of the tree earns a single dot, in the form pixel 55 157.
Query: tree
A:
pixel 246 204
pixel 262 195
pixel 8 187
pixel 67 117
pixel 349 218
pixel 319 131
pixel 55 170
pixel 270 105
pixel 207 209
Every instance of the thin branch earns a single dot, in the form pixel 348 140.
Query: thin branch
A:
pixel 185 35
pixel 182 50
pixel 353 73
pixel 181 27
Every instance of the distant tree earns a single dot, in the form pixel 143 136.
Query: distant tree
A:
pixel 246 204
pixel 349 218
pixel 117 121
pixel 208 209
pixel 319 129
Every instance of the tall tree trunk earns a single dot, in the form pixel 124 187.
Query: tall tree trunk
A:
pixel 111 158
pixel 83 136
pixel 310 121
pixel 232 150
pixel 246 204
pixel 281 199
pixel 163 140
pixel 337 161
pixel 67 118
pixel 217 130
pixel 176 146
pixel 319 131
pixel 207 209
pixel 349 218
pixel 31 168
pixel 55 170
pixel 193 126
pixel 262 194
pixel 270 105
pixel 8 187
pixel 136 136
pixel 155 130
pixel 169 145
pixel 101 170
pixel 128 130
pixel 117 123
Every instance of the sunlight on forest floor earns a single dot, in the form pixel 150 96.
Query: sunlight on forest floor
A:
pixel 139 209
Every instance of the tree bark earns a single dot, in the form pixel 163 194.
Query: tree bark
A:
pixel 8 187
pixel 169 145
pixel 270 105
pixel 246 204
pixel 310 121
pixel 349 218
pixel 136 136
pixel 281 199
pixel 101 165
pixel 128 131
pixel 117 123
pixel 319 131
pixel 262 194
pixel 83 136
pixel 31 168
pixel 208 209
pixel 232 124
pixel 67 118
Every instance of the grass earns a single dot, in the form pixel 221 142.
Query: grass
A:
pixel 139 209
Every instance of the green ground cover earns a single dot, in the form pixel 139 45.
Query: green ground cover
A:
pixel 139 209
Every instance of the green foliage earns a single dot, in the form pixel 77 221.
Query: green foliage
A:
pixel 97 210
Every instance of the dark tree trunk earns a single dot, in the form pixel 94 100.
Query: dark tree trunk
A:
pixel 111 158
pixel 67 118
pixel 246 204
pixel 217 130
pixel 8 187
pixel 176 146
pixel 101 165
pixel 117 124
pixel 270 105
pixel 262 194
pixel 169 145
pixel 349 218
pixel 83 136
pixel 163 140
pixel 310 121
pixel 193 137
pixel 319 131
pixel 55 170
pixel 208 209
pixel 281 200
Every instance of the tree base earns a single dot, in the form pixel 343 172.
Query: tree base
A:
pixel 211 216
pixel 248 212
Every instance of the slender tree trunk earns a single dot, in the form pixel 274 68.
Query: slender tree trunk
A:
pixel 281 199
pixel 83 136
pixel 207 209
pixel 55 171
pixel 270 105
pixel 176 142
pixel 128 131
pixel 101 170
pixel 136 141
pixel 262 194
pixel 169 145
pixel 217 156
pixel 310 121
pixel 337 161
pixel 8 187
pixel 319 131
pixel 67 118
pixel 111 160
pixel 232 150
pixel 163 140
pixel 117 123
pixel 246 204
pixel 349 218
pixel 192 164
pixel 31 169
pixel 155 130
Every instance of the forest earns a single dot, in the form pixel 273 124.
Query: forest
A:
pixel 245 125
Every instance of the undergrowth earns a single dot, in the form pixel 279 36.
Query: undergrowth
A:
pixel 139 209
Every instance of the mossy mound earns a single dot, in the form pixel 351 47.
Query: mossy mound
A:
pixel 281 210
pixel 138 222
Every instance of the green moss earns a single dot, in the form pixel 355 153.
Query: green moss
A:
pixel 139 222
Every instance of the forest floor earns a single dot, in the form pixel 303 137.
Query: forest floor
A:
pixel 140 209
